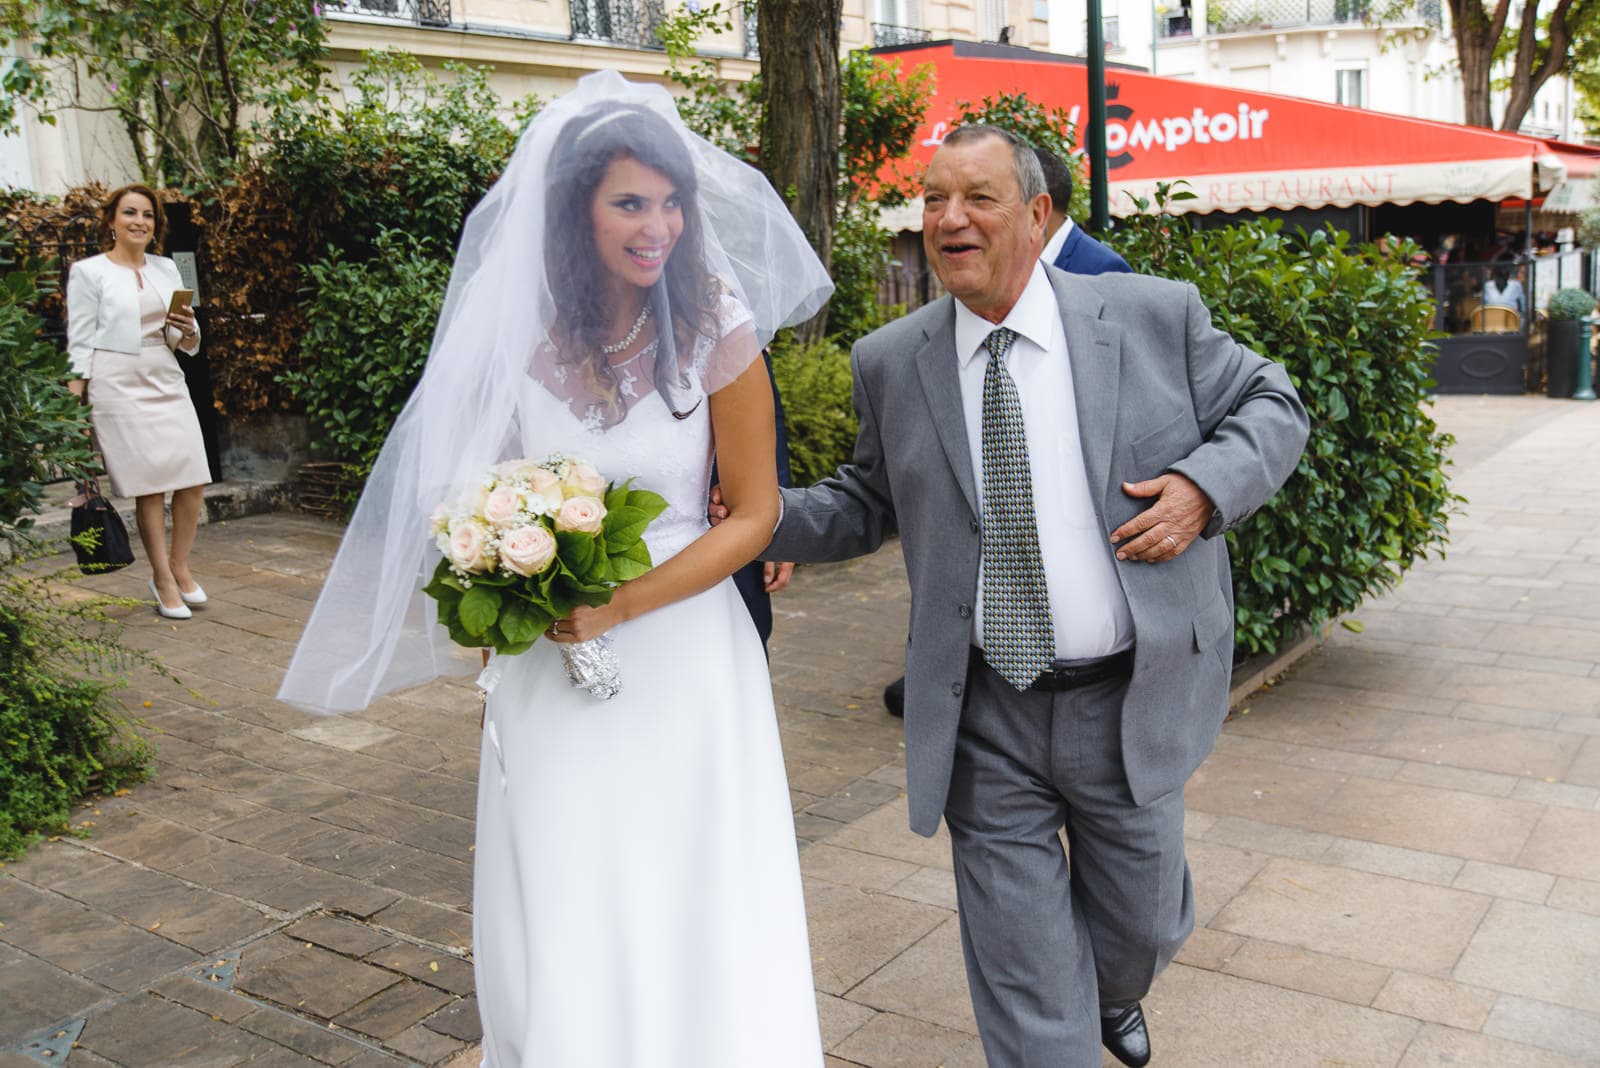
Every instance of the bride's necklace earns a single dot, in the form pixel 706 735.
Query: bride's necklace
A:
pixel 633 335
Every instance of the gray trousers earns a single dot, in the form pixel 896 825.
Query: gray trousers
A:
pixel 1051 938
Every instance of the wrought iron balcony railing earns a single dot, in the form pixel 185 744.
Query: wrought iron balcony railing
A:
pixel 886 35
pixel 417 12
pixel 625 22
pixel 1236 16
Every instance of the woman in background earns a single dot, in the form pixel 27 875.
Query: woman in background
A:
pixel 121 337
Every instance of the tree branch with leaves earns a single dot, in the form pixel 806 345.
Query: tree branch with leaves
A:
pixel 187 80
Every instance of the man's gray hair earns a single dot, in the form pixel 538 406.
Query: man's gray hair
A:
pixel 1024 162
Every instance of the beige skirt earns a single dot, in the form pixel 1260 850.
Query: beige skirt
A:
pixel 145 423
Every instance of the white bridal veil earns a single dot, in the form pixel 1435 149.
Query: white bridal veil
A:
pixel 372 629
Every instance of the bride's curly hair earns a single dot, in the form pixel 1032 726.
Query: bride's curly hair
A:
pixel 586 146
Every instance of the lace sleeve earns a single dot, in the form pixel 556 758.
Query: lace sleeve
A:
pixel 720 359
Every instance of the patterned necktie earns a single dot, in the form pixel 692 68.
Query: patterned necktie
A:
pixel 1018 640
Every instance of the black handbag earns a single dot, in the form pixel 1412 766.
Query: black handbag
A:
pixel 99 537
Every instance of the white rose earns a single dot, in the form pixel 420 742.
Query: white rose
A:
pixel 503 505
pixel 582 515
pixel 474 498
pixel 439 521
pixel 470 548
pixel 527 550
pixel 582 480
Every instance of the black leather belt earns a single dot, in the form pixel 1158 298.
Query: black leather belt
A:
pixel 1071 674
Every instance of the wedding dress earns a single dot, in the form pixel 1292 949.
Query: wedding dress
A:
pixel 637 894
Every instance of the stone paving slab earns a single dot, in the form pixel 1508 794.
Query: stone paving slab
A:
pixel 1393 846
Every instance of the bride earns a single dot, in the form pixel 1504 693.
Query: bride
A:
pixel 636 891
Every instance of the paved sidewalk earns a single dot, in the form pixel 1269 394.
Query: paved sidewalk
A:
pixel 1396 848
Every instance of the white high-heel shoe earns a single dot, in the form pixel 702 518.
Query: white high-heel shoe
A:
pixel 194 598
pixel 180 612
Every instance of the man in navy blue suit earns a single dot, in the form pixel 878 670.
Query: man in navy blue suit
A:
pixel 758 580
pixel 1067 248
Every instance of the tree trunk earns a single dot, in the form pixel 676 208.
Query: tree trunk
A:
pixel 1476 32
pixel 1528 73
pixel 799 42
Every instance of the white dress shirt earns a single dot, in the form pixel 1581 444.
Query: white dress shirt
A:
pixel 1088 608
pixel 1052 247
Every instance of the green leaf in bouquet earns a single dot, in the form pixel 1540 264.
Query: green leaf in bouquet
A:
pixel 495 578
pixel 617 496
pixel 520 621
pixel 593 596
pixel 479 608
pixel 513 648
pixel 459 635
pixel 632 562
pixel 576 553
pixel 444 582
pixel 625 526
pixel 652 504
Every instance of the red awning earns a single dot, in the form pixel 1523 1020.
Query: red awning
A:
pixel 1239 149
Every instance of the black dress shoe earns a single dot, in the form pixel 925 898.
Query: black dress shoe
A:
pixel 1122 1031
pixel 894 697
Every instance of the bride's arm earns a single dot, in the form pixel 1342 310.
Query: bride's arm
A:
pixel 742 426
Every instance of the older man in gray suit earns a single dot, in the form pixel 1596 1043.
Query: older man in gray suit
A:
pixel 1061 455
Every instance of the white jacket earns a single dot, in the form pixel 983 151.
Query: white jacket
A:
pixel 103 307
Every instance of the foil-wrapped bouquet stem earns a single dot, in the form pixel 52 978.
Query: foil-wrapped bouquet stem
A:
pixel 527 545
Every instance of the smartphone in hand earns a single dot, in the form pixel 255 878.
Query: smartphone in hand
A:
pixel 181 298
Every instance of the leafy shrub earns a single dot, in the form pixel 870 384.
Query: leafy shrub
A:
pixel 1369 498
pixel 368 328
pixel 1569 303
pixel 61 731
pixel 408 152
pixel 59 660
pixel 43 429
pixel 860 255
pixel 814 381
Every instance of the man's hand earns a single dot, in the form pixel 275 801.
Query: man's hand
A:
pixel 777 575
pixel 1162 531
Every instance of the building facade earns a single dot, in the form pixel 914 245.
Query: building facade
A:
pixel 1336 51
pixel 533 46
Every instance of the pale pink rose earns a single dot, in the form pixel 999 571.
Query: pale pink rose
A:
pixel 503 505
pixel 583 481
pixel 527 550
pixel 543 482
pixel 470 550
pixel 516 470
pixel 582 515
pixel 544 492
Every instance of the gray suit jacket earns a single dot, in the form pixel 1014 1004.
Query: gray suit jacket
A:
pixel 1158 389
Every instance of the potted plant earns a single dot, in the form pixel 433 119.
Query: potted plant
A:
pixel 1566 339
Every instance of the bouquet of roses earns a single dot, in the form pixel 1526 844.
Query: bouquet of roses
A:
pixel 527 545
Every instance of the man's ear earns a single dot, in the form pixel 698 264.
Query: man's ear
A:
pixel 1039 210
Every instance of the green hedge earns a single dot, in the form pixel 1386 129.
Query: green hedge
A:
pixel 60 731
pixel 43 429
pixel 1351 325
pixel 814 381
pixel 368 328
